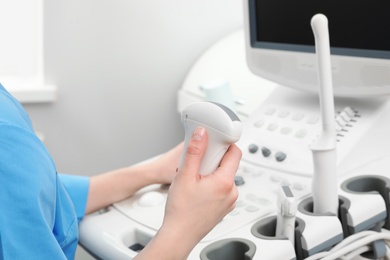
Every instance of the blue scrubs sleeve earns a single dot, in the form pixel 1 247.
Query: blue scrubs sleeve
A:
pixel 39 212
pixel 77 189
pixel 28 201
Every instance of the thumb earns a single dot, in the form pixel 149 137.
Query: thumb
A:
pixel 195 150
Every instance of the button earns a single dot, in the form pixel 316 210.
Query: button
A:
pixel 298 116
pixel 349 111
pixel 312 120
pixel 270 111
pixel 298 186
pixel 263 201
pixel 240 204
pixel 246 169
pixel 285 130
pixel 257 200
pixel 345 116
pixel 340 121
pixel 239 181
pixel 272 127
pixel 280 156
pixel 275 178
pixel 257 173
pixel 234 212
pixel 301 133
pixel 265 151
pixel 259 123
pixel 251 208
pixel 251 197
pixel 253 148
pixel 151 199
pixel 283 114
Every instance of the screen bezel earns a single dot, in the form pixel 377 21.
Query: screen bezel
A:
pixel 376 54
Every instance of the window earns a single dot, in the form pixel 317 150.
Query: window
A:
pixel 21 50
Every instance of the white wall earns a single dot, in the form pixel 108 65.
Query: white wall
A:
pixel 20 31
pixel 118 65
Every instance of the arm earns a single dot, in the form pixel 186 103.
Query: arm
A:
pixel 195 201
pixel 29 196
pixel 114 186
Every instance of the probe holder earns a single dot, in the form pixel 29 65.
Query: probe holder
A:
pixel 268 244
pixel 229 249
pixel 310 225
pixel 367 203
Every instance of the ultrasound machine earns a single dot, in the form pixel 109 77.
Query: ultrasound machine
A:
pixel 310 81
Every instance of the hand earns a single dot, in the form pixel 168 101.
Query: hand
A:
pixel 195 203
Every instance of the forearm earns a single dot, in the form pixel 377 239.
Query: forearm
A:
pixel 114 186
pixel 117 185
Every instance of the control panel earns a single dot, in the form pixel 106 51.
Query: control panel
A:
pixel 275 142
pixel 258 189
pixel 280 132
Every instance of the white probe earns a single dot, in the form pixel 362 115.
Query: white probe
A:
pixel 286 209
pixel 223 128
pixel 324 185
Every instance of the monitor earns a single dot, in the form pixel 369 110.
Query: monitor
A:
pixel 280 44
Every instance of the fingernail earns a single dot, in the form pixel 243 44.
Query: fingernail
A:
pixel 198 133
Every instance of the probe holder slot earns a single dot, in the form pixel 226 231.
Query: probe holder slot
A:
pixel 310 224
pixel 367 204
pixel 229 249
pixel 271 246
pixel 136 240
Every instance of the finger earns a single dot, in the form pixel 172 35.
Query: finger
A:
pixel 195 150
pixel 231 159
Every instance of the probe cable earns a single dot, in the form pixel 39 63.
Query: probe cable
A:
pixel 353 246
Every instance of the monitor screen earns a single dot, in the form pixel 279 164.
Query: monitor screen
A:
pixel 280 43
